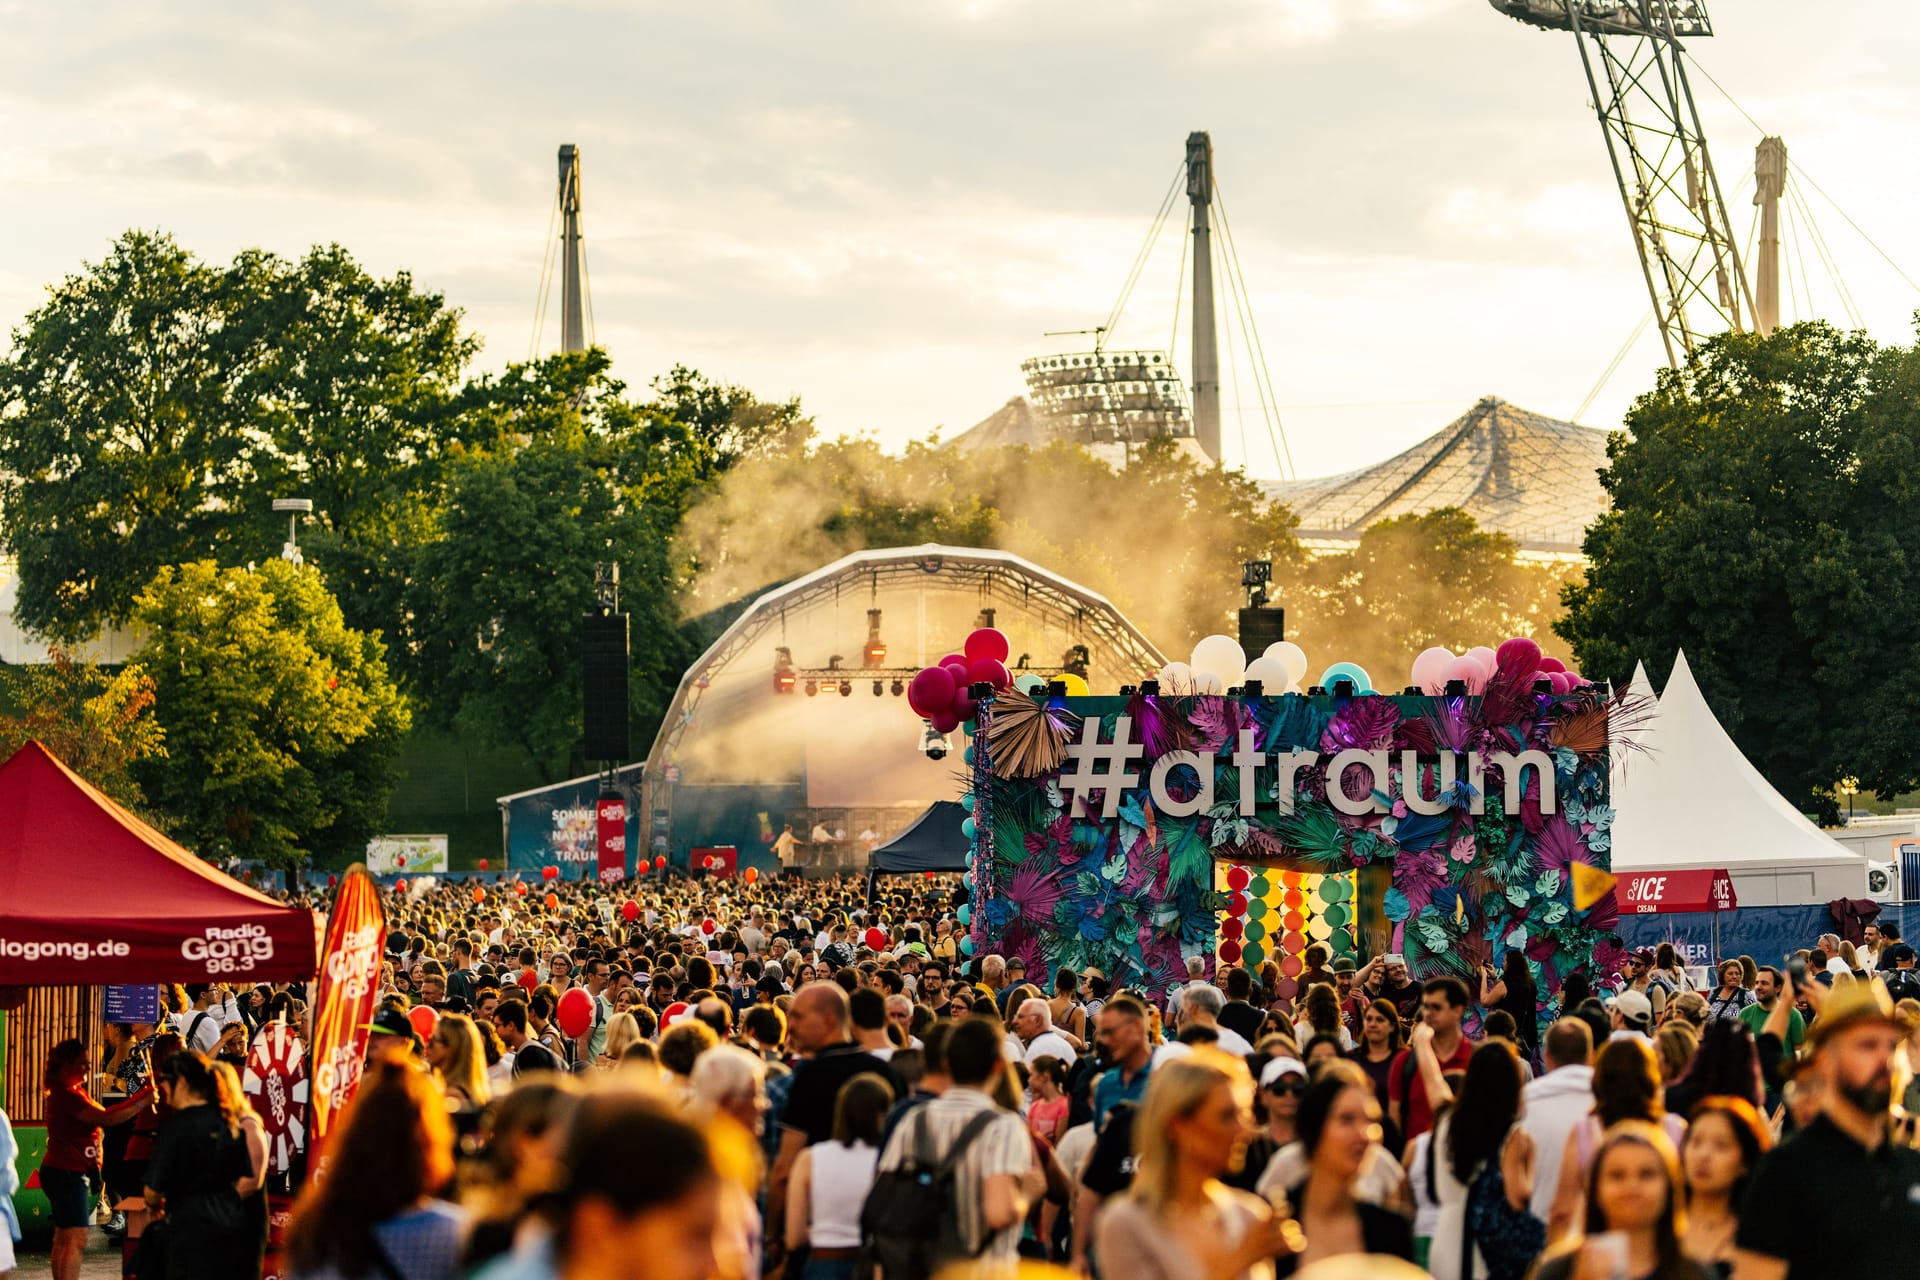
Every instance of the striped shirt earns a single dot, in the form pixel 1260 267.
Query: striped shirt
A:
pixel 1004 1147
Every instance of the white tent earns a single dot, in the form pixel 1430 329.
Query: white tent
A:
pixel 1690 799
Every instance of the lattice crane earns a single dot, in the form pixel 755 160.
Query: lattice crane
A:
pixel 1631 52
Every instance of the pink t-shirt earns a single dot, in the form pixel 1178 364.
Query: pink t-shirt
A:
pixel 1044 1118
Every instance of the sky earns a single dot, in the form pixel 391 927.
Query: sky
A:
pixel 882 206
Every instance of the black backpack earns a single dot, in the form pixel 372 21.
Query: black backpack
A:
pixel 910 1224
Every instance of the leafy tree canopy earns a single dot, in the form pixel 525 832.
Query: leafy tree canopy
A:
pixel 1764 520
pixel 100 723
pixel 281 721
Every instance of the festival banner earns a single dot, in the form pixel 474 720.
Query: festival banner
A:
pixel 611 816
pixel 349 990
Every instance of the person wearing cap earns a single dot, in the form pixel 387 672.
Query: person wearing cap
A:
pixel 1016 976
pixel 1840 1197
pixel 1353 1003
pixel 1282 1081
pixel 1632 1016
pixel 391 1035
pixel 1897 971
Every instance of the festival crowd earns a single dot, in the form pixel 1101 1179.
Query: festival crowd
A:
pixel 788 1080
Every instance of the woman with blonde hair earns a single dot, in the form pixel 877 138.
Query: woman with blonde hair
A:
pixel 1179 1219
pixel 1674 1045
pixel 623 1029
pixel 454 1053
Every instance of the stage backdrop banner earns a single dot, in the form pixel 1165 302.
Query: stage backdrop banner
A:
pixel 1098 823
pixel 349 991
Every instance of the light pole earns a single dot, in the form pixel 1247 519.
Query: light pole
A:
pixel 295 508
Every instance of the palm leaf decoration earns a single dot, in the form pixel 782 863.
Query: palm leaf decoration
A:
pixel 1314 836
pixel 1027 737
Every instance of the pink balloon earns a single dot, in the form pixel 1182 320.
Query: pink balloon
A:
pixel 1486 657
pixel 1519 655
pixel 988 671
pixel 1429 669
pixel 1552 664
pixel 952 658
pixel 931 691
pixel 1559 681
pixel 988 642
pixel 1469 670
pixel 945 724
pixel 962 707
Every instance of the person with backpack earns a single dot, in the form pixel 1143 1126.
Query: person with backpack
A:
pixel 1484 1176
pixel 958 1175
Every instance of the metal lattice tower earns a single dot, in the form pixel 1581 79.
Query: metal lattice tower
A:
pixel 1632 55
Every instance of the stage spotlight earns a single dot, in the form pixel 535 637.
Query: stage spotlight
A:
pixel 933 743
pixel 899 687
pixel 812 688
pixel 783 678
pixel 879 687
pixel 846 688
pixel 875 654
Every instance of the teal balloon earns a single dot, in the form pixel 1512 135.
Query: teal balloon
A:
pixel 971 727
pixel 970 829
pixel 966 946
pixel 965 913
pixel 967 755
pixel 1362 682
pixel 1029 683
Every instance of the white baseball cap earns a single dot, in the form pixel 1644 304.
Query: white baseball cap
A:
pixel 1277 1067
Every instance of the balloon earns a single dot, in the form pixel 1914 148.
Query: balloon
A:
pixel 707 926
pixel 944 724
pixel 1232 927
pixel 1561 682
pixel 1220 656
pixel 1429 669
pixel 965 914
pixel 1486 657
pixel 987 642
pixel 952 658
pixel 1362 682
pixel 423 1017
pixel 960 669
pixel 553 902
pixel 1270 672
pixel 1519 656
pixel 1030 683
pixel 400 886
pixel 966 946
pixel 574 1013
pixel 1206 682
pixel 483 864
pixel 988 671
pixel 629 911
pixel 479 894
pixel 751 875
pixel 970 727
pixel 333 882
pixel 672 1014
pixel 1230 951
pixel 876 939
pixel 401 860
pixel 1293 655
pixel 969 829
pixel 528 979
pixel 1469 670
pixel 961 708
pixel 928 874
pixel 549 872
pixel 1237 878
pixel 931 690
pixel 659 864
pixel 1176 677
pixel 1550 665
pixel 520 889
pixel 1076 687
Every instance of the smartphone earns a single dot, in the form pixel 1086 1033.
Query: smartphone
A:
pixel 1610 1248
pixel 1797 972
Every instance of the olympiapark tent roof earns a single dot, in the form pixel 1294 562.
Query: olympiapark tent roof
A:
pixel 933 843
pixel 90 894
pixel 1691 800
pixel 1531 477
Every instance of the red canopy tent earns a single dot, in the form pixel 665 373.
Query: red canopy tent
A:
pixel 89 894
pixel 1650 892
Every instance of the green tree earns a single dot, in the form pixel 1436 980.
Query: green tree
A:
pixel 100 723
pixel 1764 520
pixel 578 475
pixel 1418 581
pixel 730 422
pixel 281 721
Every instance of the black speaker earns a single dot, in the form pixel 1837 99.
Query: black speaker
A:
pixel 603 681
pixel 1261 628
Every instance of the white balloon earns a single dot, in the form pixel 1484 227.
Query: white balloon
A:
pixel 1208 682
pixel 1176 677
pixel 1292 655
pixel 1271 673
pixel 1220 656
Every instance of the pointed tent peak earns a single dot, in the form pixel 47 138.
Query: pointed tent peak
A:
pixel 1641 683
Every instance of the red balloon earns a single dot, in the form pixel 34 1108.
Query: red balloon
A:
pixel 945 724
pixel 423 1017
pixel 928 874
pixel 401 860
pixel 876 940
pixel 400 886
pixel 1231 927
pixel 553 902
pixel 1230 951
pixel 931 690
pixel 659 864
pixel 989 671
pixel 528 979
pixel 333 882
pixel 952 658
pixel 520 888
pixel 483 864
pixel 707 926
pixel 1237 878
pixel 1237 904
pixel 672 1013
pixel 751 875
pixel 629 911
pixel 574 1013
pixel 549 873
pixel 988 642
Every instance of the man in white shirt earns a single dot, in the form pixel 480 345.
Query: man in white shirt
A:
pixel 213 1008
pixel 1200 1005
pixel 1558 1102
pixel 1034 1025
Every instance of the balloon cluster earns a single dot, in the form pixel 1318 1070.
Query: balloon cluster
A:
pixel 1518 662
pixel 1218 663
pixel 940 693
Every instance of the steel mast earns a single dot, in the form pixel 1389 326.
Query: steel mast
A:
pixel 573 328
pixel 1770 183
pixel 1631 52
pixel 1206 355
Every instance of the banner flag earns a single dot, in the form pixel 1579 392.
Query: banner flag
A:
pixel 349 991
pixel 610 816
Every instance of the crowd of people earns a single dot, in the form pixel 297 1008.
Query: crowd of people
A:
pixel 789 1080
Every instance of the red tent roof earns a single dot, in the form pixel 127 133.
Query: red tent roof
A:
pixel 90 894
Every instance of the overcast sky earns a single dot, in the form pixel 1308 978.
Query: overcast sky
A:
pixel 882 205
